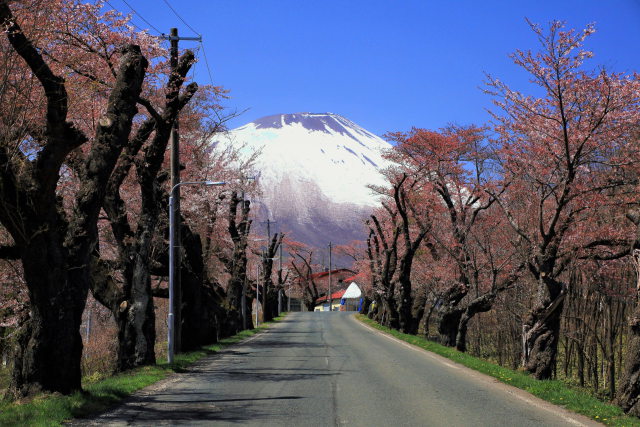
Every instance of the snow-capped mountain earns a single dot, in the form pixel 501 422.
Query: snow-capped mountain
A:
pixel 313 171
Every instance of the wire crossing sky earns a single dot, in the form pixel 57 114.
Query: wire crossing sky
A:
pixel 386 65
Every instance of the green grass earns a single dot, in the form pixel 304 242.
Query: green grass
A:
pixel 552 391
pixel 101 394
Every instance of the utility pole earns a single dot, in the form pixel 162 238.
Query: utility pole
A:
pixel 264 288
pixel 330 276
pixel 257 291
pixel 280 283
pixel 175 180
pixel 244 301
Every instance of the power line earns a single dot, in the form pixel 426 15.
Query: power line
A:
pixel 180 18
pixel 141 17
pixel 117 11
pixel 206 62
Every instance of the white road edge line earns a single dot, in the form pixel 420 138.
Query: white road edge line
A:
pixel 506 387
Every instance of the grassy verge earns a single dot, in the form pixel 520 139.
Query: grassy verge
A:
pixel 53 409
pixel 552 391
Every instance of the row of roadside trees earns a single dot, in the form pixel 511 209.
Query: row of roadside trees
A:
pixel 87 107
pixel 505 217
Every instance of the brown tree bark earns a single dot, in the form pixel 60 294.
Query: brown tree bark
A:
pixel 383 260
pixel 408 323
pixel 482 304
pixel 541 329
pixel 132 302
pixel 305 279
pixel 203 312
pixel 239 227
pixel 56 249
pixel 270 309
pixel 450 314
pixel 628 395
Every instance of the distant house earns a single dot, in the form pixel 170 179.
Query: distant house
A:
pixel 348 299
pixel 322 303
pixel 321 281
pixel 352 298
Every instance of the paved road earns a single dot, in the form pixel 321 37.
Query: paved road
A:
pixel 325 369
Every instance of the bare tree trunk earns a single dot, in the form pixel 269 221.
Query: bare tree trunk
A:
pixel 392 318
pixel 540 341
pixel 419 304
pixel 271 307
pixel 481 304
pixel 239 227
pixel 541 330
pixel 450 314
pixel 202 304
pixel 49 346
pixel 56 249
pixel 132 303
pixel 628 396
pixel 448 326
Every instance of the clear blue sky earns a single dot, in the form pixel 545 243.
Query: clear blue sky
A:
pixel 387 65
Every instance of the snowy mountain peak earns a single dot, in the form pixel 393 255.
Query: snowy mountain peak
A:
pixel 314 170
pixel 314 122
pixel 339 156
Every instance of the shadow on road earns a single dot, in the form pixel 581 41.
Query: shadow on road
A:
pixel 188 407
pixel 275 343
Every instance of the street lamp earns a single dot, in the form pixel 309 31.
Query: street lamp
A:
pixel 172 268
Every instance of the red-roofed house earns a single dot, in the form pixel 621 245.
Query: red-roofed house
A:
pixel 323 305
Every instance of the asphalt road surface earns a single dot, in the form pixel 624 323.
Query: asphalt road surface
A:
pixel 325 369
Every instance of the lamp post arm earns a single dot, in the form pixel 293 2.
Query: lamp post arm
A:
pixel 207 183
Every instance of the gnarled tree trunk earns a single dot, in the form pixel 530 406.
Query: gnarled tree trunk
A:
pixel 239 227
pixel 628 395
pixel 482 304
pixel 450 314
pixel 541 329
pixel 203 312
pixel 270 299
pixel 55 248
pixel 49 346
pixel 132 303
pixel 56 252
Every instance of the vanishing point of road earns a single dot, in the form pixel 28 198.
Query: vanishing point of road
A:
pixel 328 369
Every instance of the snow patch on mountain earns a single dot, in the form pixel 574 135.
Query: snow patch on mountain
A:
pixel 327 149
pixel 314 172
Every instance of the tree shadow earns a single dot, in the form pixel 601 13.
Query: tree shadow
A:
pixel 278 343
pixel 172 411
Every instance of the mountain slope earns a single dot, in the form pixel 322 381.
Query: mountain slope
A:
pixel 314 170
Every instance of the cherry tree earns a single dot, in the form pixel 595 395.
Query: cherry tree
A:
pixel 302 267
pixel 392 251
pixel 452 167
pixel 559 152
pixel 54 246
pixel 131 302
